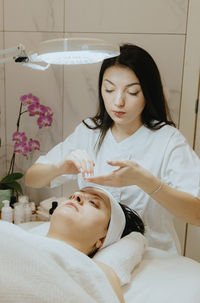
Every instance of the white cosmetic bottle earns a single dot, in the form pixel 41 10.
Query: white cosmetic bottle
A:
pixel 7 212
pixel 27 212
pixel 19 213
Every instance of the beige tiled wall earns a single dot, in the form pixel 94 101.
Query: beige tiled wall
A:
pixel 2 121
pixel 1 15
pixel 2 116
pixel 137 16
pixel 157 25
pixel 37 15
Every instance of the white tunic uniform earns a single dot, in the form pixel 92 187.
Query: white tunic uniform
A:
pixel 164 152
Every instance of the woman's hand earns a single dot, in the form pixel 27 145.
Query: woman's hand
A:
pixel 77 162
pixel 128 173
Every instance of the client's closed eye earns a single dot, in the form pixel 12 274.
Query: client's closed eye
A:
pixel 95 204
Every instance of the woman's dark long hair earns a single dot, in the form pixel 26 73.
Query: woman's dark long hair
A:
pixel 133 221
pixel 155 113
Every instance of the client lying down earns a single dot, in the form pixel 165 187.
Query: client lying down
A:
pixel 89 220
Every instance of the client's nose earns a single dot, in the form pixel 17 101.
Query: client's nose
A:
pixel 78 197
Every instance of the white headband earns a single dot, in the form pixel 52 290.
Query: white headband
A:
pixel 117 217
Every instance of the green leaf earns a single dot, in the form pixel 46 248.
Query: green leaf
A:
pixel 2 186
pixel 16 186
pixel 11 178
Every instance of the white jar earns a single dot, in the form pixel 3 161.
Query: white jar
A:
pixel 19 213
pixel 28 212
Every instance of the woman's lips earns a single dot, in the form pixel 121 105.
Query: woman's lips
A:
pixel 118 113
pixel 71 204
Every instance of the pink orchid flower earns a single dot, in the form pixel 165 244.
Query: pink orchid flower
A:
pixel 21 148
pixel 43 109
pixel 48 111
pixel 19 137
pixel 44 121
pixel 29 99
pixel 36 109
pixel 33 145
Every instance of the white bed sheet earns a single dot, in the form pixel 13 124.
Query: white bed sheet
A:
pixel 160 278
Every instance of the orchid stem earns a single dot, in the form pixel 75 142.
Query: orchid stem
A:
pixel 19 117
pixel 12 162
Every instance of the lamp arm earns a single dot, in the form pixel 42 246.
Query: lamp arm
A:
pixel 20 57
pixel 9 50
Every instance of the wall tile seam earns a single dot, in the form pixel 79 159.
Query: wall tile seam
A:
pixel 98 33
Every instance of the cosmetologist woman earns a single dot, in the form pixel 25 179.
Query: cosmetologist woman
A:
pixel 132 146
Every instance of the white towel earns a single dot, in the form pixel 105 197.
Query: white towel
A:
pixel 123 256
pixel 36 269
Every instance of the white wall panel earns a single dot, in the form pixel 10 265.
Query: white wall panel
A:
pixel 37 15
pixel 197 133
pixel 2 117
pixel 180 227
pixel 127 16
pixel 193 243
pixel 193 238
pixel 1 15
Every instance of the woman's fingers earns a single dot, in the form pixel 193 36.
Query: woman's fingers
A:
pixel 82 161
pixel 87 164
pixel 119 163
pixel 106 180
pixel 125 174
pixel 74 163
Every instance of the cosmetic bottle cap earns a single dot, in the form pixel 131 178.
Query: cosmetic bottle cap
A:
pixel 13 200
pixel 6 203
pixel 54 205
pixel 23 199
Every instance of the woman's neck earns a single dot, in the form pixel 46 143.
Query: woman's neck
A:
pixel 121 132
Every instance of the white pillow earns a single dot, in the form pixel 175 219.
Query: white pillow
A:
pixel 122 256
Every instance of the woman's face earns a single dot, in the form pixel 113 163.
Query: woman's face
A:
pixel 83 218
pixel 122 94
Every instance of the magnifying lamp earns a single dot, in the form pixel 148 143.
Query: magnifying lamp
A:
pixel 66 51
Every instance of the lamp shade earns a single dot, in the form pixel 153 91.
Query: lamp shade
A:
pixel 76 51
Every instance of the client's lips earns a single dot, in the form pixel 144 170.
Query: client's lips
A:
pixel 71 204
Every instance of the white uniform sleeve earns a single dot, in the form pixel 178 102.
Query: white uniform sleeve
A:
pixel 181 166
pixel 59 152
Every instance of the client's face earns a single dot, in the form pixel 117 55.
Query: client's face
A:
pixel 83 219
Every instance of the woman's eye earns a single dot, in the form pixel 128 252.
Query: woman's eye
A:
pixel 133 94
pixel 109 90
